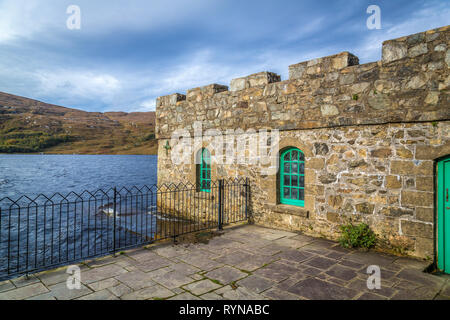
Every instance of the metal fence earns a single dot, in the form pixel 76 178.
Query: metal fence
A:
pixel 45 232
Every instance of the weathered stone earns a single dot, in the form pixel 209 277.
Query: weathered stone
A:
pixel 432 97
pixel 61 292
pixel 155 292
pixel 425 184
pixel 320 263
pixel 173 279
pixel 397 212
pixel 404 153
pixel 320 149
pixel 99 295
pixel 417 229
pixel 417 50
pixel 136 279
pixel 365 208
pixel 427 152
pixel 24 292
pixel 333 217
pixel 357 163
pixel 416 198
pixel 425 214
pixel 254 80
pixel 325 64
pixel 329 110
pixel 379 101
pixel 335 201
pixel 393 182
pixel 316 163
pixel 255 283
pixel 97 274
pixel 381 153
pixel 318 289
pixel 202 287
pixel 185 296
pixel 393 50
pixel 411 167
pixel 327 178
pixel 225 275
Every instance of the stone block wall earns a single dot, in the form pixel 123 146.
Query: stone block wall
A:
pixel 370 134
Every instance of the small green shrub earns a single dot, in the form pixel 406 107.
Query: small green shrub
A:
pixel 360 236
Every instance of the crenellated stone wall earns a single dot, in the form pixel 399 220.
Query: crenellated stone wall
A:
pixel 370 134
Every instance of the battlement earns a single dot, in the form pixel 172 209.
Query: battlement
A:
pixel 323 65
pixel 409 83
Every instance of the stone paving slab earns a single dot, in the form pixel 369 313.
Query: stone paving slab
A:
pixel 244 263
pixel 202 287
pixel 24 292
pixel 226 275
pixel 6 286
pixel 172 280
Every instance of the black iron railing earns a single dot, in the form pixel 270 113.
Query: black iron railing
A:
pixel 44 232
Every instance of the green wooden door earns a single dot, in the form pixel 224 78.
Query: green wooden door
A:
pixel 443 219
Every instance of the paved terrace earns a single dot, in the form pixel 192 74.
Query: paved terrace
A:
pixel 246 262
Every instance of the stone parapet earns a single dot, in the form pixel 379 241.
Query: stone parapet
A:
pixel 323 65
pixel 410 84
pixel 254 80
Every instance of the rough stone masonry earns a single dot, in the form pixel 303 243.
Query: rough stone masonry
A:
pixel 370 134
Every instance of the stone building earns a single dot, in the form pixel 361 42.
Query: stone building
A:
pixel 367 141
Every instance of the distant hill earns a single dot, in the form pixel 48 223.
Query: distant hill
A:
pixel 29 126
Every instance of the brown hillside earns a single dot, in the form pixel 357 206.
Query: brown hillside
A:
pixel 28 125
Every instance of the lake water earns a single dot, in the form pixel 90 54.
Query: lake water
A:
pixel 42 231
pixel 34 174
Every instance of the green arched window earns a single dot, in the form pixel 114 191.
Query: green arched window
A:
pixel 292 177
pixel 204 170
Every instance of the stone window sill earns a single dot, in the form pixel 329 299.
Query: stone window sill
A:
pixel 288 209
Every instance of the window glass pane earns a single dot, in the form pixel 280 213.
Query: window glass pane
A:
pixel 287 180
pixel 294 155
pixel 287 156
pixel 294 194
pixel 301 156
pixel 286 168
pixel 294 181
pixel 294 167
pixel 302 194
pixel 286 193
pixel 302 168
pixel 301 181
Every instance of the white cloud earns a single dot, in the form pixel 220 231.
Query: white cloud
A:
pixel 24 18
pixel 29 18
pixel 76 85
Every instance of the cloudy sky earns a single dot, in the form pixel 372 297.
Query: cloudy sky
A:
pixel 129 52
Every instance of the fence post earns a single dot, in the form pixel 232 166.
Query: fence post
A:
pixel 115 215
pixel 247 194
pixel 220 209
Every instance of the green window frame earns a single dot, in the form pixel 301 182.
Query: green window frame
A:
pixel 292 177
pixel 204 171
